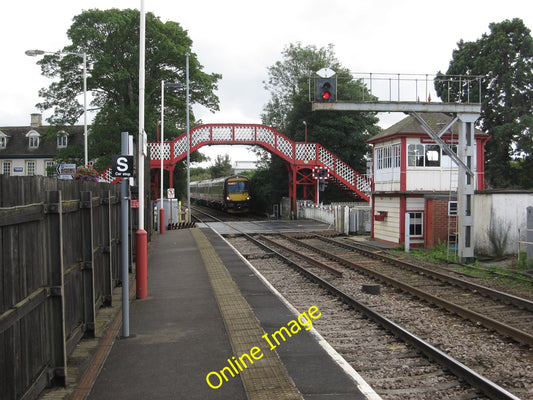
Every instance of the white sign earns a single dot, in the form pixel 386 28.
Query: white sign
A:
pixel 66 169
pixel 170 193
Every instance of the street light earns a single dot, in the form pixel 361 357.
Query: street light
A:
pixel 34 53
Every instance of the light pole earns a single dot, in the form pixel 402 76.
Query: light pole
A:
pixel 33 53
pixel 188 144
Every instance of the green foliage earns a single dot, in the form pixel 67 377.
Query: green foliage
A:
pixel 110 38
pixel 343 133
pixel 505 60
pixel 498 237
pixel 262 188
pixel 221 167
pixel 199 174
pixel 439 253
pixel 523 262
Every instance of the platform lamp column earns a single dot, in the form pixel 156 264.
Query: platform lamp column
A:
pixel 188 143
pixel 161 208
pixel 141 236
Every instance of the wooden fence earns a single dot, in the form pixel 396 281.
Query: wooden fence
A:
pixel 59 262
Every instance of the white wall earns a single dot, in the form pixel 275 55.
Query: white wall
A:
pixel 389 229
pixel 503 211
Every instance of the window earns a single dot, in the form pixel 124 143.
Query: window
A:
pixel 6 168
pixel 49 165
pixel 416 224
pixel 447 161
pixel 34 142
pixel 237 186
pixel 30 168
pixel 388 157
pixel 62 140
pixel 415 155
pixel 452 208
pixel 3 140
pixel 420 155
pixel 379 158
pixel 33 139
pixel 396 156
pixel 432 155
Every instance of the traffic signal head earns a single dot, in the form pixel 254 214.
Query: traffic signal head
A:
pixel 326 89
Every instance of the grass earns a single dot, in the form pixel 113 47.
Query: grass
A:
pixel 508 275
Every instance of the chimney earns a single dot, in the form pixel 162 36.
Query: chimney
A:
pixel 36 120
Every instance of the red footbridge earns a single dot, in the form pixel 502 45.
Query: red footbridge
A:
pixel 301 158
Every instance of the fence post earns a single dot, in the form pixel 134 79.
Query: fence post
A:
pixel 56 288
pixel 107 243
pixel 89 300
pixel 529 233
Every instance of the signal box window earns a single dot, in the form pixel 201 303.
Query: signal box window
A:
pixel 420 155
pixel 416 224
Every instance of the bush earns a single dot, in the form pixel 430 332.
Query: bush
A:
pixel 498 236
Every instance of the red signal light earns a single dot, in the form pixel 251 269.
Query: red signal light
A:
pixel 325 89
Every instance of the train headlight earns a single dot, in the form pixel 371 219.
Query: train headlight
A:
pixel 228 198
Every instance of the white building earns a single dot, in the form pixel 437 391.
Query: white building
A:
pixel 30 150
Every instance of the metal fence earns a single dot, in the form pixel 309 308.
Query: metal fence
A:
pixel 59 262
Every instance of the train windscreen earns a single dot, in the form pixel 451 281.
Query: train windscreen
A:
pixel 237 186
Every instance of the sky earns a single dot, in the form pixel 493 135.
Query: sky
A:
pixel 240 39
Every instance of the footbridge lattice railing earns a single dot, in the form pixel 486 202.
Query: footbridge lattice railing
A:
pixel 296 153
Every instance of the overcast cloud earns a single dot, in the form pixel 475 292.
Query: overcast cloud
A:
pixel 241 38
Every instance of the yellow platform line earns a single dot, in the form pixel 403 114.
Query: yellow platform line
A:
pixel 267 378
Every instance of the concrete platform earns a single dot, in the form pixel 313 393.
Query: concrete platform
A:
pixel 205 305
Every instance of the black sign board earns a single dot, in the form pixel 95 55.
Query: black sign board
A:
pixel 122 166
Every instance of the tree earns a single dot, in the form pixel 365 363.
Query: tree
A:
pixel 110 39
pixel 504 59
pixel 343 133
pixel 222 166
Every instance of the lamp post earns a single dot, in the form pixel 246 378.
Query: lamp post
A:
pixel 34 53
pixel 188 144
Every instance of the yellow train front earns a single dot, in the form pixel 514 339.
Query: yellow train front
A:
pixel 231 194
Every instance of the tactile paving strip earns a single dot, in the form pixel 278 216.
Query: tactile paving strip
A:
pixel 267 378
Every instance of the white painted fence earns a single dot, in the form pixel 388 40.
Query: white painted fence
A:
pixel 347 218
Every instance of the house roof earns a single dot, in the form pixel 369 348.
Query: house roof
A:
pixel 18 142
pixel 409 126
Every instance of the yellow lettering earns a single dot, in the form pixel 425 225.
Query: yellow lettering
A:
pixel 265 336
pixel 294 326
pixel 224 375
pixel 279 333
pixel 307 324
pixel 242 361
pixel 233 366
pixel 254 350
pixel 209 382
pixel 315 309
pixel 236 362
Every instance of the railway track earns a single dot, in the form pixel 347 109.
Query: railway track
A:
pixel 376 337
pixel 395 362
pixel 506 314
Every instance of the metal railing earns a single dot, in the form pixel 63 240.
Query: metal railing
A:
pixel 402 87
